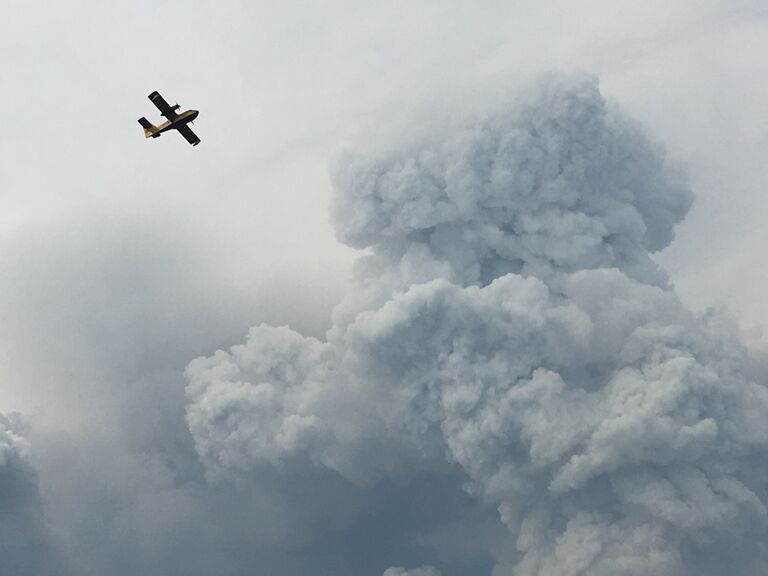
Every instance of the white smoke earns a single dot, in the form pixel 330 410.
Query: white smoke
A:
pixel 510 321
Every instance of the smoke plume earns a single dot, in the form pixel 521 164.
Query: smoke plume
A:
pixel 423 571
pixel 26 547
pixel 509 328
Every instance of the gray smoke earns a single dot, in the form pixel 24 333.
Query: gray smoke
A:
pixel 423 571
pixel 509 324
pixel 26 546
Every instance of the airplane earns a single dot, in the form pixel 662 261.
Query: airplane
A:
pixel 173 121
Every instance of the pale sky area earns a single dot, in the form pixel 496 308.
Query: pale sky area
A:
pixel 124 259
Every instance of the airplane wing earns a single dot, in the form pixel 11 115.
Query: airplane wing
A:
pixel 165 109
pixel 191 137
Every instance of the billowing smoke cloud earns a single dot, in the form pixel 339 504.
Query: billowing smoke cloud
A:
pixel 508 323
pixel 423 571
pixel 26 547
pixel 101 312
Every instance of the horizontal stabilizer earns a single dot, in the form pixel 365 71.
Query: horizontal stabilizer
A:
pixel 149 128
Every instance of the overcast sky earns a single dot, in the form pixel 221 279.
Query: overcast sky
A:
pixel 280 89
pixel 122 259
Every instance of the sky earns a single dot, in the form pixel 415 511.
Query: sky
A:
pixel 128 444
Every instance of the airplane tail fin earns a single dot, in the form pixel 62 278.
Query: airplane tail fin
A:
pixel 149 128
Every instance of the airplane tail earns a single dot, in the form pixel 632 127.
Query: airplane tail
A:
pixel 149 128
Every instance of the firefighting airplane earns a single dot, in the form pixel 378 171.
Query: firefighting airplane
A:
pixel 173 121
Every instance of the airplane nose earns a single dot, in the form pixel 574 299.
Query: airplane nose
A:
pixel 194 114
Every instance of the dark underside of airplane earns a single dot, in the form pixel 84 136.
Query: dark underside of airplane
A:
pixel 173 121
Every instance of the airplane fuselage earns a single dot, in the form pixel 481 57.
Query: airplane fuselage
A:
pixel 181 119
